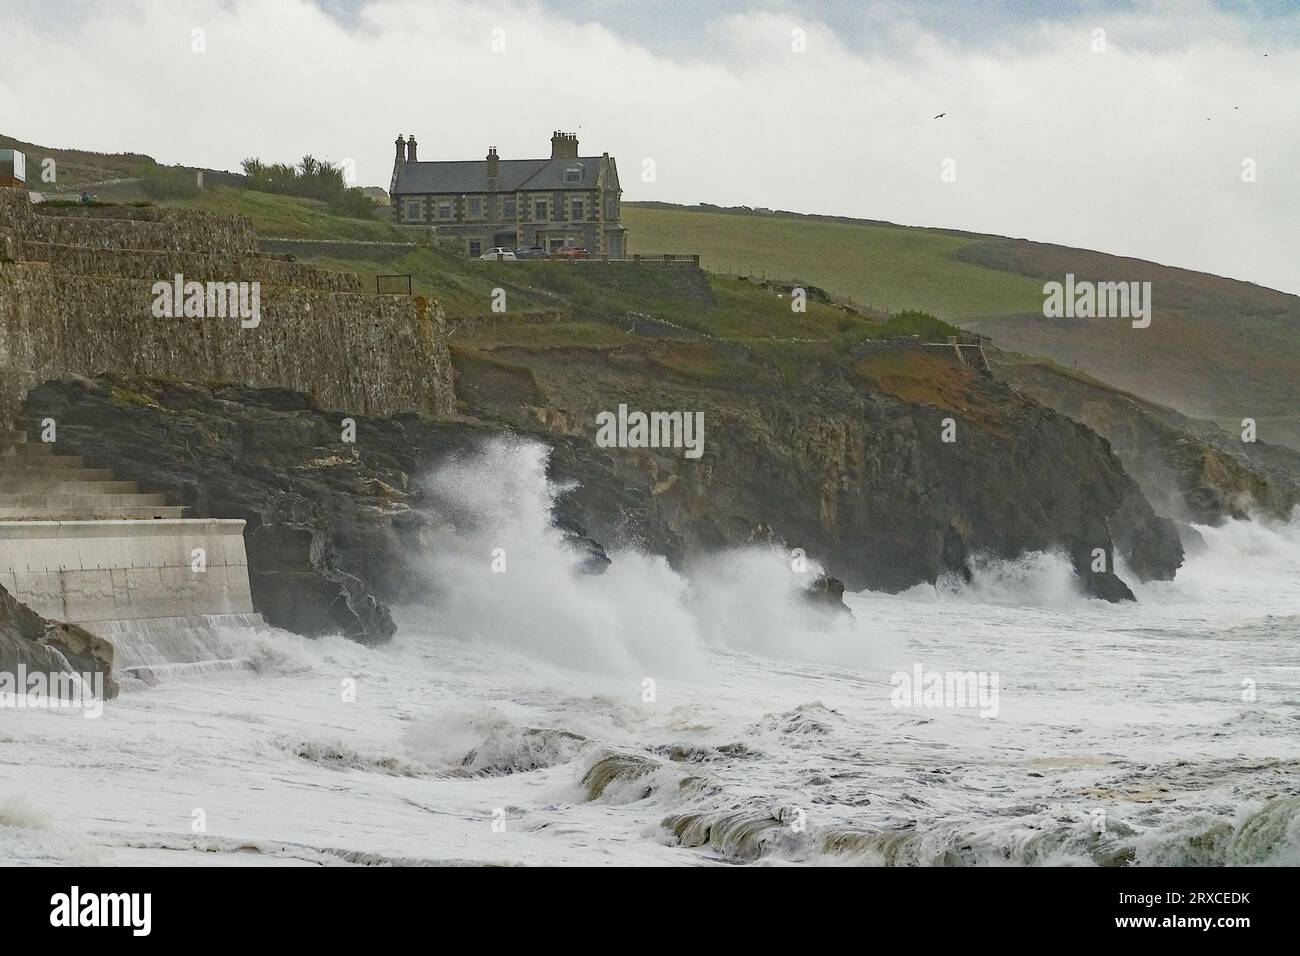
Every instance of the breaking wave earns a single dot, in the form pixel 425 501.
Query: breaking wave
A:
pixel 505 575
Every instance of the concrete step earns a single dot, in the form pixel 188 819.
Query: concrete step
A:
pixel 24 461
pixel 56 485
pixel 37 473
pixel 27 449
pixel 92 514
pixel 57 502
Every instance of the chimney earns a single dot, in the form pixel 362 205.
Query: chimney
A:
pixel 564 145
pixel 493 163
pixel 410 148
pixel 401 150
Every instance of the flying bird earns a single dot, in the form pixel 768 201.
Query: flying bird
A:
pixel 941 116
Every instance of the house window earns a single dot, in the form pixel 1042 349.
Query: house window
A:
pixel 412 210
pixel 611 208
pixel 539 210
pixel 578 206
pixel 508 208
pixel 444 208
pixel 476 207
pixel 573 175
pixel 475 248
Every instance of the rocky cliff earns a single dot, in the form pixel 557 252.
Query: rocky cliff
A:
pixel 333 526
pixel 1189 470
pixel 890 470
pixel 847 460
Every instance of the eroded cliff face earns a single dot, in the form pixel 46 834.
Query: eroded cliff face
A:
pixel 889 470
pixel 850 460
pixel 1189 470
pixel 336 530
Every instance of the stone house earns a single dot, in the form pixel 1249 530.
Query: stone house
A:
pixel 492 202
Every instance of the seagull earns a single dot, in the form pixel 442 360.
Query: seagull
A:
pixel 941 116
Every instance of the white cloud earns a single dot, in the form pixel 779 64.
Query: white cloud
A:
pixel 1052 141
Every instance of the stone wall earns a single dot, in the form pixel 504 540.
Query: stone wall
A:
pixel 360 354
pixel 168 229
pixel 199 266
pixel 87 309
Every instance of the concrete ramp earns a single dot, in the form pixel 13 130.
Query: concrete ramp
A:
pixel 80 547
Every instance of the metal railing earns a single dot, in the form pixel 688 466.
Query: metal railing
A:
pixel 379 291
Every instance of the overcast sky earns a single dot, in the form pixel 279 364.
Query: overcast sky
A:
pixel 1137 149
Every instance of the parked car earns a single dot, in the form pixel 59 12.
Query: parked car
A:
pixel 499 253
pixel 530 252
pixel 573 252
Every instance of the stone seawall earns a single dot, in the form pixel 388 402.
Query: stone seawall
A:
pixel 364 354
pixel 76 298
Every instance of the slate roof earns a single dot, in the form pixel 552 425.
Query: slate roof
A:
pixel 470 176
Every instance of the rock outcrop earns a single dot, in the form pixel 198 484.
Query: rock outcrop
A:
pixel 50 647
pixel 891 470
pixel 1190 470
pixel 332 526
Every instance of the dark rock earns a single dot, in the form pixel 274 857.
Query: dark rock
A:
pixel 50 647
pixel 827 594
pixel 1190 470
pixel 837 464
pixel 848 461
pixel 334 530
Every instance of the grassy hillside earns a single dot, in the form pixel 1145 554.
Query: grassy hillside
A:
pixel 287 216
pixel 1216 348
pixel 882 266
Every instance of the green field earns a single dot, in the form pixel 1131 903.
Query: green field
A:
pixel 882 267
pixel 287 217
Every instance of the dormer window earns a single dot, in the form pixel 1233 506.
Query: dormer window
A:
pixel 573 176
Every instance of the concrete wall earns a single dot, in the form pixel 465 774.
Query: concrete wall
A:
pixel 89 571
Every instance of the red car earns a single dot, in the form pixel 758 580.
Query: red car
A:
pixel 572 252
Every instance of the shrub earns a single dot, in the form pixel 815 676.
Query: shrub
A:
pixel 911 322
pixel 169 182
pixel 312 178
